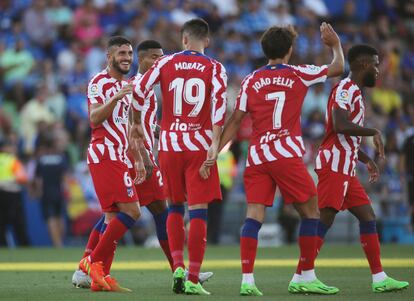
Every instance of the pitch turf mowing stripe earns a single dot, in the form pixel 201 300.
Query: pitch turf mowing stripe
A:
pixel 210 264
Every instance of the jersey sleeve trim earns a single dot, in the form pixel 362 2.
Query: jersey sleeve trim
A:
pixel 241 103
pixel 311 74
pixel 219 95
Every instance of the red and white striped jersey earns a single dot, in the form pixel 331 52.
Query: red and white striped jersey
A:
pixel 109 140
pixel 273 95
pixel 193 88
pixel 148 108
pixel 338 151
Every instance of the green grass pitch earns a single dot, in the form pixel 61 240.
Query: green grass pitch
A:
pixel 45 274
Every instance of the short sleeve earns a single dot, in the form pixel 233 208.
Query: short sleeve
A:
pixel 241 102
pixel 343 99
pixel 95 93
pixel 311 74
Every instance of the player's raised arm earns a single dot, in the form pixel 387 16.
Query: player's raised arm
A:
pixel 331 39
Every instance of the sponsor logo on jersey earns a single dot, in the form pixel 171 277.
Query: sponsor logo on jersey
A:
pixel 183 126
pixel 273 136
pixel 93 90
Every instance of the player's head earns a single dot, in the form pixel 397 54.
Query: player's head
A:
pixel 277 42
pixel 148 52
pixel 363 61
pixel 195 31
pixel 119 54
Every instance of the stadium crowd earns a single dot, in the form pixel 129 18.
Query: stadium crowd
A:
pixel 49 49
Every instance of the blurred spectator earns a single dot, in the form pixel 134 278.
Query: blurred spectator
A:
pixel 407 166
pixel 49 185
pixel 34 112
pixel 384 97
pixel 316 100
pixel 38 26
pixel 180 15
pixel 12 177
pixel 86 25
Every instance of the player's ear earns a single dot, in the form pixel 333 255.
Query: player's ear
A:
pixel 185 39
pixel 206 42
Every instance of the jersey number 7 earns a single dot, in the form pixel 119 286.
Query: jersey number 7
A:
pixel 279 98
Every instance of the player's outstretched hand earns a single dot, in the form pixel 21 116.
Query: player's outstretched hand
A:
pixel 373 171
pixel 379 145
pixel 125 90
pixel 204 172
pixel 141 173
pixel 328 35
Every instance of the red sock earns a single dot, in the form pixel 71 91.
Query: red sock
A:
pixel 108 260
pixel 114 232
pixel 248 249
pixel 307 243
pixel 93 237
pixel 92 242
pixel 196 242
pixel 166 248
pixel 176 234
pixel 370 244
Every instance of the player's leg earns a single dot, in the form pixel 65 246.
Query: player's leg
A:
pixel 79 278
pixel 248 247
pixel 200 193
pixel 117 225
pixel 359 205
pixel 120 196
pixel 297 188
pixel 260 192
pixel 159 211
pixel 172 169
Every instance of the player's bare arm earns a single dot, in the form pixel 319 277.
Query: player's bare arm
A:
pixel 331 39
pixel 372 167
pixel 136 140
pixel 342 125
pixel 101 112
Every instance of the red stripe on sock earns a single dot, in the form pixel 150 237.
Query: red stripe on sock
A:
pixel 92 242
pixel 370 244
pixel 248 250
pixel 196 247
pixel 176 238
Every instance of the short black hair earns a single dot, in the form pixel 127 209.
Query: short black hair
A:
pixel 196 28
pixel 148 44
pixel 276 41
pixel 118 41
pixel 360 50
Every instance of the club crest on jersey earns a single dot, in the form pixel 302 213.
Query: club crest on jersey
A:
pixel 130 192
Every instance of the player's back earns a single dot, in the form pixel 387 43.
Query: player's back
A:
pixel 273 95
pixel 193 90
pixel 340 151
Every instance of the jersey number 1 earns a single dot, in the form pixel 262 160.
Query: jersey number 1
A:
pixel 193 91
pixel 279 98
